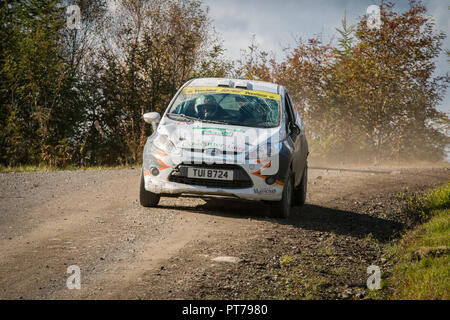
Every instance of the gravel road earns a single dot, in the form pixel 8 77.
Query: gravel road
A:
pixel 192 248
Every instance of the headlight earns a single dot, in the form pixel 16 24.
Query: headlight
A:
pixel 163 142
pixel 264 151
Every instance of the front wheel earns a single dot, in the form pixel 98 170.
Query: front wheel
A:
pixel 147 198
pixel 300 191
pixel 283 208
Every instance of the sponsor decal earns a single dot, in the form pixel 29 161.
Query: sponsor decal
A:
pixel 253 93
pixel 212 145
pixel 212 152
pixel 264 191
pixel 182 123
pixel 223 132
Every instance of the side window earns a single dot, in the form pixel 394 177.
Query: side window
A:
pixel 296 116
pixel 289 111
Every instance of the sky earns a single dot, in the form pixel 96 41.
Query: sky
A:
pixel 277 24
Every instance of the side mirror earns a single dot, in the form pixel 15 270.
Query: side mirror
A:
pixel 295 130
pixel 153 118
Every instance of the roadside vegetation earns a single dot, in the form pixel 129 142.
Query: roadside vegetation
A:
pixel 421 259
pixel 44 168
pixel 75 96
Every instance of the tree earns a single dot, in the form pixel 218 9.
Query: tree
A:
pixel 396 92
pixel 346 38
pixel 149 49
pixel 33 80
pixel 255 64
pixel 41 73
pixel 374 96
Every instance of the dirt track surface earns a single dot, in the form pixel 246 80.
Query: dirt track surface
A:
pixel 92 219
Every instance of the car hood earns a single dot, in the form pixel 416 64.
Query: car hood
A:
pixel 225 138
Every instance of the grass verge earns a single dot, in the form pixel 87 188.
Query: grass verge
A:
pixel 421 259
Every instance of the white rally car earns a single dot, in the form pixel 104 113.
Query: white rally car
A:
pixel 227 137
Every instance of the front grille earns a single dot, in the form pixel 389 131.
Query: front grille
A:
pixel 240 177
pixel 218 152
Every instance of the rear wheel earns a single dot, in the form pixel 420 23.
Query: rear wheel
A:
pixel 147 198
pixel 300 191
pixel 283 208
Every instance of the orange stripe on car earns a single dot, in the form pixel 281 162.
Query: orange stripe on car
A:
pixel 261 161
pixel 162 152
pixel 163 165
pixel 258 172
pixel 157 155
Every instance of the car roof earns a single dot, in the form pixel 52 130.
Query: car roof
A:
pixel 233 83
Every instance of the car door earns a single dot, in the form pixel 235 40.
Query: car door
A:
pixel 294 133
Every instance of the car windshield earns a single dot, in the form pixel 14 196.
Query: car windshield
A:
pixel 227 105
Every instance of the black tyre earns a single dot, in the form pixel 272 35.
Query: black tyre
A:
pixel 283 208
pixel 300 191
pixel 147 198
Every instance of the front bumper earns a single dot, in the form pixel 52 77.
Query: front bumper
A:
pixel 260 190
pixel 254 171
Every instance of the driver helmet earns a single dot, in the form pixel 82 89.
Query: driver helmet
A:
pixel 206 106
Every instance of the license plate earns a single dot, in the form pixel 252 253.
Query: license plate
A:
pixel 215 174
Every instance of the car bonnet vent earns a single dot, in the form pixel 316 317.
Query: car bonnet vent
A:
pixel 242 85
pixel 225 83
